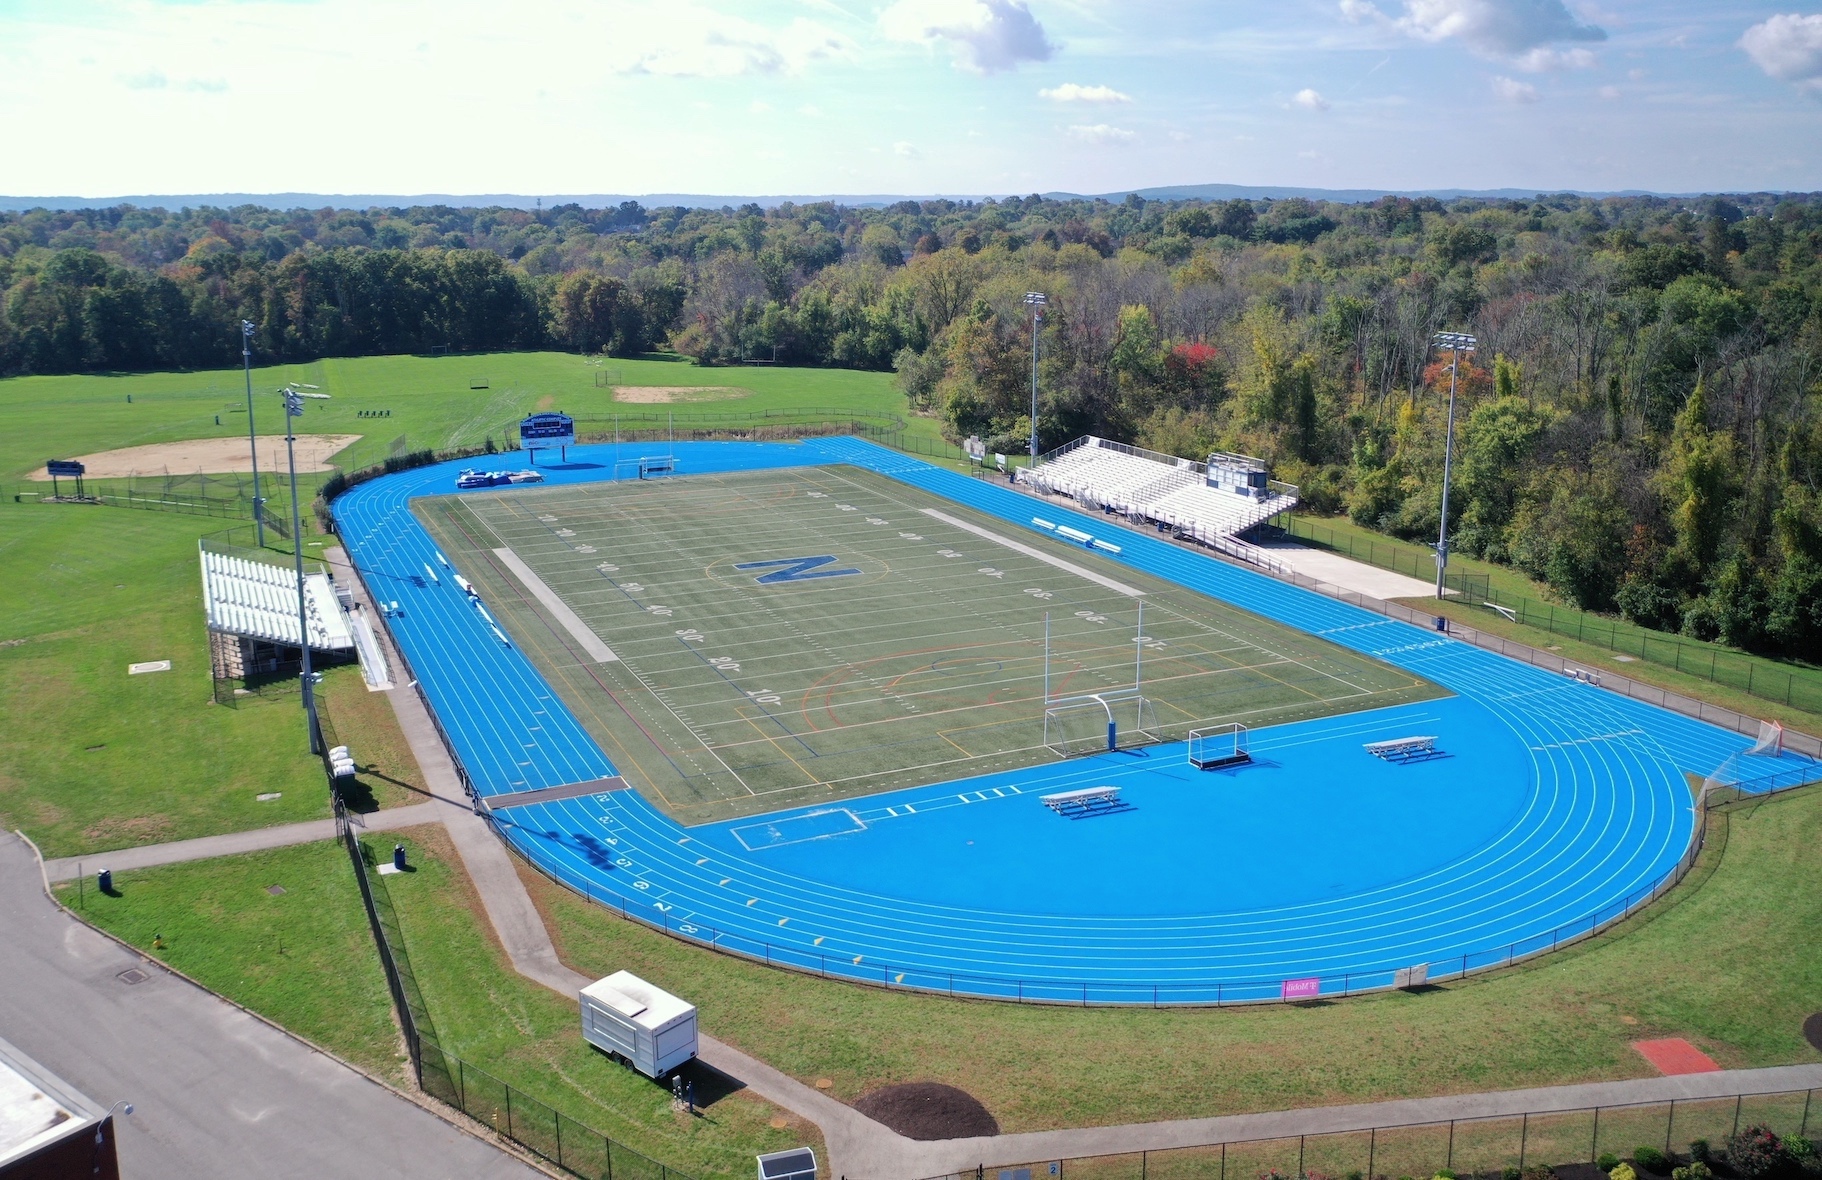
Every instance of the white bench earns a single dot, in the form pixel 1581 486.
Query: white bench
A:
pixel 1087 801
pixel 1405 749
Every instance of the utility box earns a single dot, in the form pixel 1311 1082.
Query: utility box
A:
pixel 652 1030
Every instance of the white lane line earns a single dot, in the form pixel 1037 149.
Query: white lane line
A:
pixel 591 643
pixel 1028 551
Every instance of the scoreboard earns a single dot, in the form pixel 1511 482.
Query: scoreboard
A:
pixel 548 431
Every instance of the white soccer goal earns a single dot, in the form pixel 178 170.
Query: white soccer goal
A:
pixel 1771 740
pixel 1098 722
pixel 1218 746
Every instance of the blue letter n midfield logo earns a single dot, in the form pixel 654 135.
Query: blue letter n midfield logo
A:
pixel 796 569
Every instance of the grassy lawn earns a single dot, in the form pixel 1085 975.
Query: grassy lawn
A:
pixel 1742 926
pixel 522 1033
pixel 302 958
pixel 365 723
pixel 1406 557
pixel 92 758
pixel 430 400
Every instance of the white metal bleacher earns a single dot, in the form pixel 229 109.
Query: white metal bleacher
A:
pixel 259 600
pixel 1159 488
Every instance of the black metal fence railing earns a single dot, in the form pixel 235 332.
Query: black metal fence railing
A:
pixel 530 1122
pixel 1486 1146
pixel 1799 688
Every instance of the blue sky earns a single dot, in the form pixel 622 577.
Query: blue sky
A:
pixel 904 96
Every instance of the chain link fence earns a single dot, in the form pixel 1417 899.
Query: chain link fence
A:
pixel 1799 688
pixel 1494 1146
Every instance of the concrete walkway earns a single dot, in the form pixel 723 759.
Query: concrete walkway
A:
pixel 68 868
pixel 955 1156
pixel 1327 566
pixel 217 1093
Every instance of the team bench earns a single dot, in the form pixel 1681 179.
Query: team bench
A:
pixel 1087 801
pixel 1405 749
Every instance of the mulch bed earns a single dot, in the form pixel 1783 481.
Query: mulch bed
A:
pixel 1578 1172
pixel 1812 1031
pixel 929 1110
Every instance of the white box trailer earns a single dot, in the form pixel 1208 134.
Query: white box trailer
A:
pixel 654 1031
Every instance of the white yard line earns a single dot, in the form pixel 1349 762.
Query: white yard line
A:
pixel 1028 551
pixel 591 643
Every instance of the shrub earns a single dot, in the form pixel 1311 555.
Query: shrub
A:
pixel 1800 1148
pixel 1698 1150
pixel 1623 1172
pixel 1511 1173
pixel 1697 1170
pixel 1607 1162
pixel 1444 1174
pixel 1758 1154
pixel 1652 1160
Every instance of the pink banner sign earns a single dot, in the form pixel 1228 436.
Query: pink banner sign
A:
pixel 1302 989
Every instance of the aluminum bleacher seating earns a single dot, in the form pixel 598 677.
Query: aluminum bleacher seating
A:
pixel 259 601
pixel 1164 489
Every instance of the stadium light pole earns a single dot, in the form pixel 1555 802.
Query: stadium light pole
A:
pixel 246 360
pixel 1457 343
pixel 1037 302
pixel 294 408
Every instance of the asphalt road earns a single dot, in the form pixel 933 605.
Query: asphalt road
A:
pixel 216 1092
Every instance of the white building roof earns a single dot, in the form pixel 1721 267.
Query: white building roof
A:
pixel 645 1004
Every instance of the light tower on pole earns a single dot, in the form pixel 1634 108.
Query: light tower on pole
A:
pixel 294 408
pixel 1457 343
pixel 1036 301
pixel 246 361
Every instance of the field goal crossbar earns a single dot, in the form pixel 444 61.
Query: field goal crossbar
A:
pixel 1072 725
pixel 1218 746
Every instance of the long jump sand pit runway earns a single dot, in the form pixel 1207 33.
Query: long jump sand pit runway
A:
pixel 209 456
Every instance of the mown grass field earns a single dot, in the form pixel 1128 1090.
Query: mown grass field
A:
pixel 302 958
pixel 1727 960
pixel 430 399
pixel 305 959
pixel 92 758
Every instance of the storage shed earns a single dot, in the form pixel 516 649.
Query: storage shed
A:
pixel 651 1029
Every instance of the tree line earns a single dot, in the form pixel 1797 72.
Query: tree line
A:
pixel 1640 427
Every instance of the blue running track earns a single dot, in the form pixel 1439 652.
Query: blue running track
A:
pixel 1557 807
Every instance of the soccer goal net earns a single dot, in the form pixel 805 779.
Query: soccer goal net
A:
pixel 1771 740
pixel 1098 723
pixel 1217 746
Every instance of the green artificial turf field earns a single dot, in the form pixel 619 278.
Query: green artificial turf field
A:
pixel 914 653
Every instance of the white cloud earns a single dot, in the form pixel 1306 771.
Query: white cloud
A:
pixel 1497 28
pixel 1511 90
pixel 1545 59
pixel 156 80
pixel 702 43
pixel 1609 93
pixel 986 36
pixel 1310 100
pixel 907 150
pixel 759 107
pixel 1788 47
pixel 1101 133
pixel 810 111
pixel 1071 92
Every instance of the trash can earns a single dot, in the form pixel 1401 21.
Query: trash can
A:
pixel 398 857
pixel 104 880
